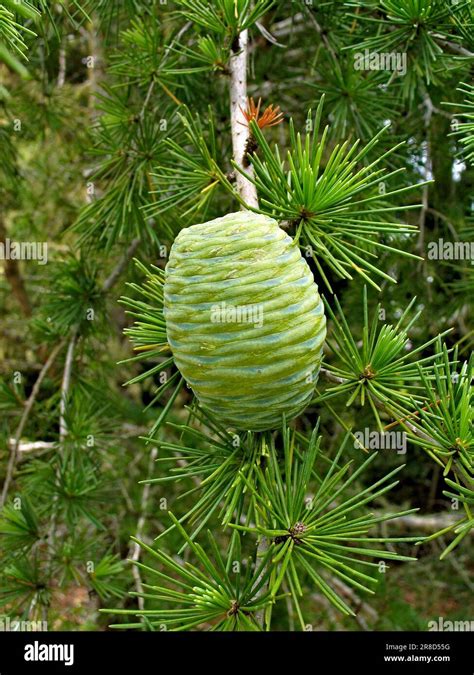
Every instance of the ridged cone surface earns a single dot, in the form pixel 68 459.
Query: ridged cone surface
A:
pixel 244 319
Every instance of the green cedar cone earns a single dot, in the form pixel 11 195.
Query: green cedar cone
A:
pixel 244 319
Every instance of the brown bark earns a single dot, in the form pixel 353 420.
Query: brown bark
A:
pixel 14 278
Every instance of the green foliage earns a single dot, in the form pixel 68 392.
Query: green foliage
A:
pixel 309 534
pixel 115 135
pixel 466 129
pixel 10 398
pixel 443 427
pixel 462 15
pixel 212 593
pixel 19 528
pixel 381 368
pixel 132 144
pixel 148 335
pixel 359 102
pixel 188 177
pixel 446 414
pixel 414 27
pixel 333 205
pixel 144 57
pixel 76 299
pixel 103 578
pixel 13 34
pixel 26 584
pixel 224 17
pixel 210 54
pixel 222 461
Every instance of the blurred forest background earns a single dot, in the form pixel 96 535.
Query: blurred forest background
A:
pixel 112 114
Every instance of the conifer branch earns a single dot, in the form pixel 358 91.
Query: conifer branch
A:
pixel 453 47
pixel 24 418
pixel 297 525
pixel 121 265
pixel 238 102
pixel 62 66
pixel 427 522
pixel 134 550
pixel 66 383
pixel 335 379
